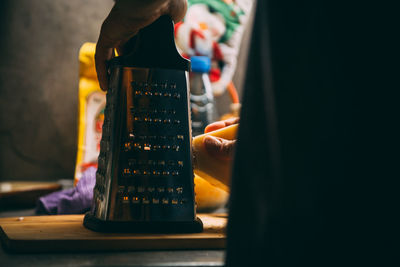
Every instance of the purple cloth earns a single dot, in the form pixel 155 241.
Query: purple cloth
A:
pixel 75 200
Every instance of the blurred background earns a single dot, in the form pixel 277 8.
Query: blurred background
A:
pixel 39 76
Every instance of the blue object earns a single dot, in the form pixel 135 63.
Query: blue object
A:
pixel 200 64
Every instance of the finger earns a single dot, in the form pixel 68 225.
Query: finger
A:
pixel 113 30
pixel 101 57
pixel 214 126
pixel 219 147
pixel 127 45
pixel 220 124
pixel 177 10
pixel 104 51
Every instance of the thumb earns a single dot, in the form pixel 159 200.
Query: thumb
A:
pixel 219 147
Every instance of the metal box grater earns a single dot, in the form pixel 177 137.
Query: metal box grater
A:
pixel 144 181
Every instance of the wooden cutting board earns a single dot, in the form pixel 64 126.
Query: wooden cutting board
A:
pixel 24 194
pixel 61 233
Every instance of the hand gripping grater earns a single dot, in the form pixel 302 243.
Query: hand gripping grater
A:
pixel 144 181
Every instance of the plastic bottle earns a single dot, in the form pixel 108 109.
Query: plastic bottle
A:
pixel 201 95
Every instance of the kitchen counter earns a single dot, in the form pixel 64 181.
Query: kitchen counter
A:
pixel 134 258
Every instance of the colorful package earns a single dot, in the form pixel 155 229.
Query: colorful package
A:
pixel 92 102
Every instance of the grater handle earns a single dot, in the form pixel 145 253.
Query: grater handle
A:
pixel 154 47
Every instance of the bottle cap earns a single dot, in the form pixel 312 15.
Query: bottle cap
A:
pixel 200 64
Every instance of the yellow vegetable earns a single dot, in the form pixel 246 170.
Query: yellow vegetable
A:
pixel 208 197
